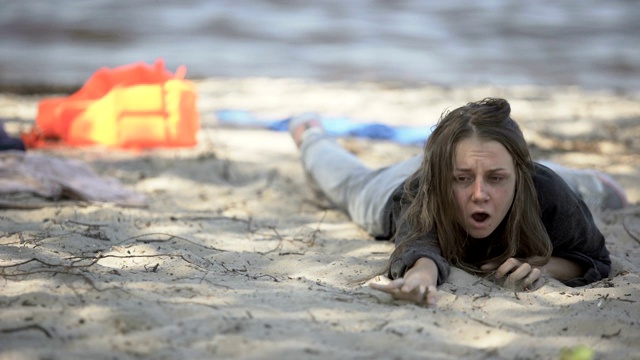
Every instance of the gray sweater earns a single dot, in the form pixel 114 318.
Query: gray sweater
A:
pixel 565 216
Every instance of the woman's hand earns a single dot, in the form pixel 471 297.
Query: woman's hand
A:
pixel 518 273
pixel 418 284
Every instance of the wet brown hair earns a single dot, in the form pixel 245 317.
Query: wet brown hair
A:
pixel 433 206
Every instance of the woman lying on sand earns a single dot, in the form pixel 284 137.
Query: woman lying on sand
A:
pixel 474 199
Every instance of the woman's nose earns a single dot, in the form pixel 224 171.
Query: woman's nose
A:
pixel 480 191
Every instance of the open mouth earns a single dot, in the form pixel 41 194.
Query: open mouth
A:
pixel 480 217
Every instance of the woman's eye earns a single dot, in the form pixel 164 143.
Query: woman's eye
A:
pixel 463 179
pixel 496 179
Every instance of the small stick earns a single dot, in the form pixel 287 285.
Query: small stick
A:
pixel 28 327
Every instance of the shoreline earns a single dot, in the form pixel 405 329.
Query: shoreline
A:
pixel 48 88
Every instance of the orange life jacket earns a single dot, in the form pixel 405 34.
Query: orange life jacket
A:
pixel 132 106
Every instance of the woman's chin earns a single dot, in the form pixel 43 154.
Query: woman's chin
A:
pixel 480 231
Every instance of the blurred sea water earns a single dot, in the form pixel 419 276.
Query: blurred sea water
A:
pixel 589 43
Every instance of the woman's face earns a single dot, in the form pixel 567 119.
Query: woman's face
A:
pixel 484 182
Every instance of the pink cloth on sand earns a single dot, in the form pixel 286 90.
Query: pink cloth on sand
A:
pixel 53 178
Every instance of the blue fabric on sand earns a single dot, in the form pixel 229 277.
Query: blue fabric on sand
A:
pixel 9 143
pixel 335 126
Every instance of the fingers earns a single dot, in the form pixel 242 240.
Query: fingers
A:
pixel 507 267
pixel 490 266
pixel 518 274
pixel 521 274
pixel 430 298
pixel 534 280
pixel 524 276
pixel 412 291
pixel 537 284
pixel 389 288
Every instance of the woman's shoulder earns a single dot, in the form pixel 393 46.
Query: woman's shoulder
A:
pixel 408 187
pixel 551 189
pixel 545 178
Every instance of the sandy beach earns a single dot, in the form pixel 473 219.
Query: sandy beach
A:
pixel 236 258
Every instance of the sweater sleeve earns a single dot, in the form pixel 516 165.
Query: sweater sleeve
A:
pixel 411 248
pixel 571 228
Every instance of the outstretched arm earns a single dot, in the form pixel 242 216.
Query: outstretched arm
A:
pixel 417 285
